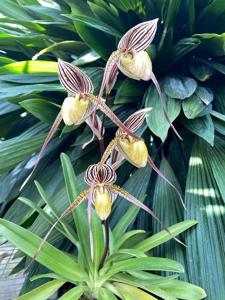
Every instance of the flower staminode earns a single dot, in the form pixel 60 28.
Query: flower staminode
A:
pixel 136 65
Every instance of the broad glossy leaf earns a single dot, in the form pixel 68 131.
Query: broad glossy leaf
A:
pixel 156 120
pixel 183 47
pixel 211 43
pixel 179 87
pixel 201 71
pixel 42 109
pixel 44 291
pixel 194 107
pixel 202 127
pixel 96 24
pixel 50 256
pixel 95 39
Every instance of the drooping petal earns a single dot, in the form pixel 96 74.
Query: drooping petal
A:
pixel 155 81
pixel 53 129
pixel 89 222
pixel 105 174
pixel 110 73
pixel 154 167
pixel 95 125
pixel 139 37
pixel 72 206
pixel 73 79
pixel 134 122
pixel 121 192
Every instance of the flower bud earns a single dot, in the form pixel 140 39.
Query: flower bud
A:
pixel 136 65
pixel 102 203
pixel 74 110
pixel 135 151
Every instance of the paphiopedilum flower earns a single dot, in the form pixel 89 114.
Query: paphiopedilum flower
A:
pixel 133 61
pixel 133 150
pixel 79 106
pixel 101 194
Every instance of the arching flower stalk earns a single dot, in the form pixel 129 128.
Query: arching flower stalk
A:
pixel 133 61
pixel 135 151
pixel 79 106
pixel 101 194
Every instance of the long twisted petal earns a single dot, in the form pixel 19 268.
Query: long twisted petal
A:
pixel 121 192
pixel 53 129
pixel 75 203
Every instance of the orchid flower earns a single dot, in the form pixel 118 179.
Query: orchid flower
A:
pixel 102 193
pixel 79 106
pixel 133 150
pixel 133 61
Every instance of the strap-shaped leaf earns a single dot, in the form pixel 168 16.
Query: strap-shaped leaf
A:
pixel 139 37
pixel 73 79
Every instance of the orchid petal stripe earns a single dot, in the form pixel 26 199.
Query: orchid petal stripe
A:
pixel 110 73
pixel 105 174
pixel 134 122
pixel 73 79
pixel 139 37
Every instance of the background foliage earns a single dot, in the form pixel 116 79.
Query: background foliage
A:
pixel 188 58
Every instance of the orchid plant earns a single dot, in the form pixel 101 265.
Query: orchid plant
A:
pixel 81 105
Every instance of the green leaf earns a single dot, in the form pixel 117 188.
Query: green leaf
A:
pixel 129 91
pixel 105 294
pixel 201 71
pixel 14 10
pixel 163 236
pixel 132 293
pixel 95 39
pixel 124 214
pixel 211 43
pixel 183 47
pixel 183 290
pixel 42 109
pixel 145 263
pixel 80 213
pixel 156 120
pixel 73 294
pixel 49 256
pixel 202 127
pixel 205 204
pixel 96 24
pixel 44 291
pixel 9 154
pixel 179 87
pixel 193 107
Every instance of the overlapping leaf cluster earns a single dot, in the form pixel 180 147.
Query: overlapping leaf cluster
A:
pixel 188 58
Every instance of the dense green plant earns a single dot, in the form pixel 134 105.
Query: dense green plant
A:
pixel 188 55
pixel 124 273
